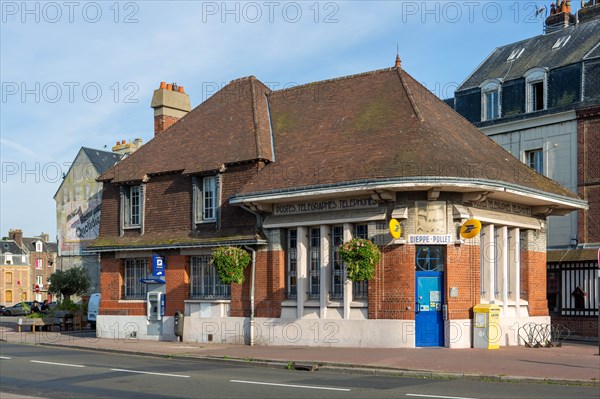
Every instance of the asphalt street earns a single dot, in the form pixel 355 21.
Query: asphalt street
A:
pixel 47 372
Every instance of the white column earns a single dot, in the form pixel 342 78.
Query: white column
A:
pixel 502 246
pixel 514 266
pixel 325 270
pixel 301 285
pixel 347 282
pixel 489 257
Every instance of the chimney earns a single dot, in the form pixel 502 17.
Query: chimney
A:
pixel 45 237
pixel 170 104
pixel 125 148
pixel 560 16
pixel 590 11
pixel 16 236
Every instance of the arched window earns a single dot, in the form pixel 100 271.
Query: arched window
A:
pixel 491 90
pixel 536 89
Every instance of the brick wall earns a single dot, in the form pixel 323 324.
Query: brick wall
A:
pixel 533 281
pixel 269 288
pixel 392 289
pixel 168 204
pixel 177 277
pixel 111 287
pixel 588 173
pixel 109 218
pixel 462 272
pixel 579 326
pixel 162 123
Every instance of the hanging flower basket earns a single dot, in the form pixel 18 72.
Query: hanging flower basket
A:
pixel 360 257
pixel 230 263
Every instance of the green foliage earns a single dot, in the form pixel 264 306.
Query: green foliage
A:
pixel 35 316
pixel 360 257
pixel 230 263
pixel 68 305
pixel 74 281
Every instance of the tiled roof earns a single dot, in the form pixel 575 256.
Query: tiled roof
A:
pixel 29 244
pixel 538 52
pixel 375 125
pixel 102 160
pixel 231 126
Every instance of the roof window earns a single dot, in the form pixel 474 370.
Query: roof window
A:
pixel 516 54
pixel 561 42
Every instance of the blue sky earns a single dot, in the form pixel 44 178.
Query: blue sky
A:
pixel 82 73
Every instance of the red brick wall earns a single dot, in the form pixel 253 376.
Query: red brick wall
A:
pixel 392 289
pixel 580 326
pixel 533 281
pixel 109 218
pixel 111 287
pixel 588 173
pixel 177 277
pixel 462 272
pixel 163 122
pixel 269 288
pixel 232 182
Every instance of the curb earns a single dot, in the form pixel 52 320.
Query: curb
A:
pixel 337 367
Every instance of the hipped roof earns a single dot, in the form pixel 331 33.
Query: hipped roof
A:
pixel 376 125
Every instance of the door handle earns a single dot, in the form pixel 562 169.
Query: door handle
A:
pixel 418 308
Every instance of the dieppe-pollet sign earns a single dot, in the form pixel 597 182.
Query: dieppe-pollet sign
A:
pixel 429 239
pixel 324 206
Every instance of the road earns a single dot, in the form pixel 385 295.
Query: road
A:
pixel 51 372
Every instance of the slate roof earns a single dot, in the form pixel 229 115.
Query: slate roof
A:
pixel 102 160
pixel 538 52
pixel 376 125
pixel 29 244
pixel 10 246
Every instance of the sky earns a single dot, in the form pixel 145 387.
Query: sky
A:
pixel 81 73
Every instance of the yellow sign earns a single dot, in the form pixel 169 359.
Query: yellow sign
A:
pixel 470 228
pixel 395 228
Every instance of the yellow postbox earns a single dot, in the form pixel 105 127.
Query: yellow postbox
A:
pixel 486 326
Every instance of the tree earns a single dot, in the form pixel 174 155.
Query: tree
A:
pixel 74 281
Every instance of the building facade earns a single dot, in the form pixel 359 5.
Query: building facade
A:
pixel 78 202
pixel 15 274
pixel 538 98
pixel 290 175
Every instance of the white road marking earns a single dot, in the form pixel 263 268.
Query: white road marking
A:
pixel 291 385
pixel 5 357
pixel 57 364
pixel 148 372
pixel 437 396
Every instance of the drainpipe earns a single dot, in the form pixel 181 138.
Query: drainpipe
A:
pixel 252 293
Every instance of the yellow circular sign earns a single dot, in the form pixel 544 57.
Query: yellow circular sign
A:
pixel 395 228
pixel 470 228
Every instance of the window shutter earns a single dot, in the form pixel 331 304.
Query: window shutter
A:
pixel 195 199
pixel 142 199
pixel 123 203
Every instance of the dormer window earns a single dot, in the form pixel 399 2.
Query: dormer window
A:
pixel 490 99
pixel 205 199
pixel 38 246
pixel 131 206
pixel 536 86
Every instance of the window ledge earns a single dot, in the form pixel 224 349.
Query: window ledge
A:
pixel 216 300
pixel 312 303
pixel 132 301
pixel 335 304
pixel 289 303
pixel 132 227
pixel 359 304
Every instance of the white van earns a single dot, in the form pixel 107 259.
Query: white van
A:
pixel 93 306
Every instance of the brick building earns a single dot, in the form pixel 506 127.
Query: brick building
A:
pixel 539 99
pixel 290 175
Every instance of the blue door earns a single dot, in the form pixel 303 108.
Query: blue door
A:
pixel 429 321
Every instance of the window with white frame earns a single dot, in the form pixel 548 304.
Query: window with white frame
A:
pixel 39 263
pixel 360 289
pixel 205 199
pixel 134 270
pixel 292 264
pixel 38 246
pixel 132 206
pixel 314 271
pixel 490 100
pixel 205 282
pixel 535 160
pixel 39 280
pixel 337 266
pixel 536 89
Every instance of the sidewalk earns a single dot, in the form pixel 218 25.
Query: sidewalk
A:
pixel 573 363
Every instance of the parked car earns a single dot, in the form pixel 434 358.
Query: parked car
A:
pixel 2 307
pixel 93 306
pixel 17 309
